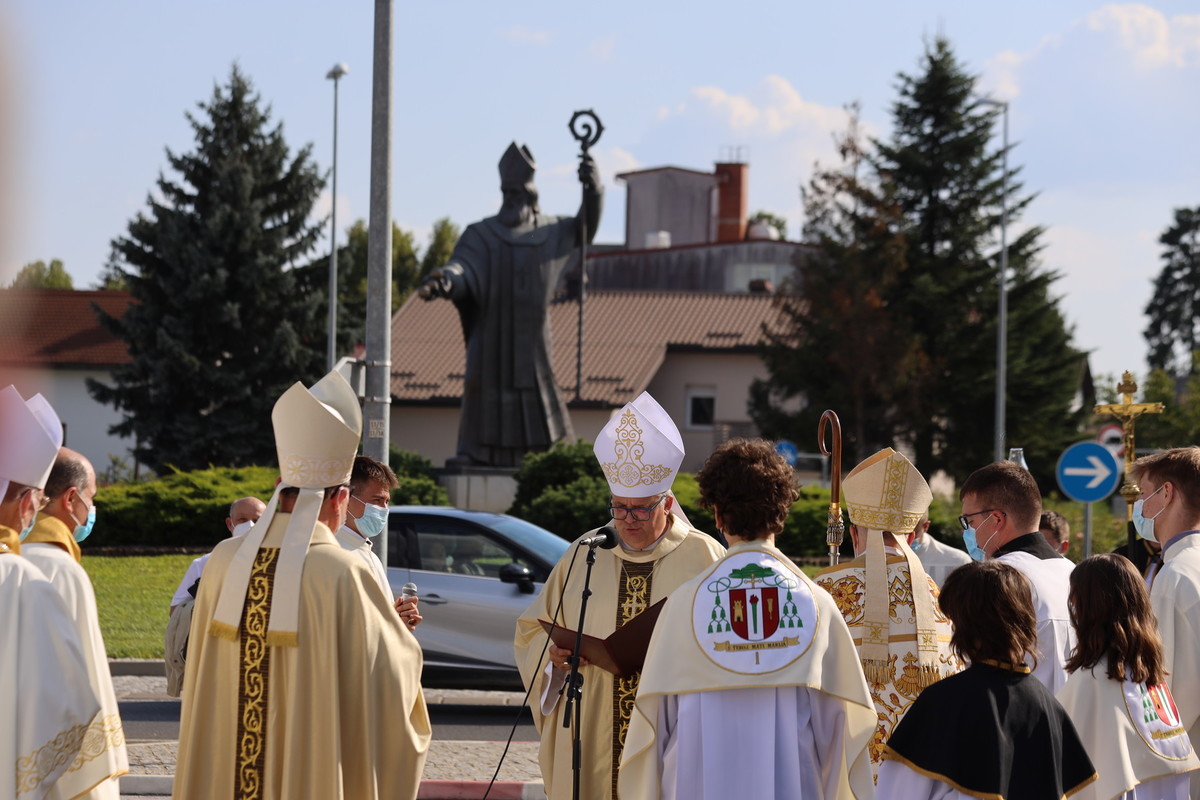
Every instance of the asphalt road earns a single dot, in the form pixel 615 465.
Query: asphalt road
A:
pixel 158 720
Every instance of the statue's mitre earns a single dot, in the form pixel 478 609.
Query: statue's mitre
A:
pixel 886 493
pixel 317 432
pixel 640 449
pixel 517 165
pixel 30 435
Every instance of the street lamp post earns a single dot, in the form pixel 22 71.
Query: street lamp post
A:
pixel 339 69
pixel 1002 329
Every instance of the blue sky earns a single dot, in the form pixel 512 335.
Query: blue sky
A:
pixel 1105 110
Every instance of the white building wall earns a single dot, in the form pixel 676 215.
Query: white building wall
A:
pixel 86 421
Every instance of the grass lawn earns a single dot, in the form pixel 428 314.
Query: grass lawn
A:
pixel 133 598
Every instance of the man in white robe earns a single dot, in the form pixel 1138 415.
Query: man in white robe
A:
pixel 640 451
pixel 751 687
pixel 243 513
pixel 53 546
pixel 1168 511
pixel 1001 511
pixel 302 682
pixel 48 710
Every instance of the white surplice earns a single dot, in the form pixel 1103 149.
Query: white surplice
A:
pixel 94 774
pixel 1050 580
pixel 938 559
pixel 361 548
pixel 1175 597
pixel 48 708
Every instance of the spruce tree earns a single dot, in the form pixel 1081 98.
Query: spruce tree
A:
pixel 949 186
pixel 218 328
pixel 841 344
pixel 1174 311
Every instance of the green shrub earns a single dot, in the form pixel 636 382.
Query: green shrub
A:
pixel 687 493
pixel 572 509
pixel 182 509
pixel 558 467
pixel 414 465
pixel 418 490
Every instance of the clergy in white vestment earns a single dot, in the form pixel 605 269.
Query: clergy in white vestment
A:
pixel 49 711
pixel 1001 511
pixel 1168 511
pixel 938 558
pixel 639 451
pixel 53 546
pixel 243 513
pixel 1118 694
pixel 302 682
pixel 752 687
pixel 887 600
pixel 371 484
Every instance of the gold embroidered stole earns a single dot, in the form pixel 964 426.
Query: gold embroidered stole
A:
pixel 254 678
pixel 633 596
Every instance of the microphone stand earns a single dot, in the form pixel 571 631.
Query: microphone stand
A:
pixel 574 686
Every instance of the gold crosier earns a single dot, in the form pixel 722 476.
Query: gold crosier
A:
pixel 1127 412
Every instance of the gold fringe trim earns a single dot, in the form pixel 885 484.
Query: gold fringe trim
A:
pixel 222 630
pixel 927 675
pixel 877 671
pixel 283 639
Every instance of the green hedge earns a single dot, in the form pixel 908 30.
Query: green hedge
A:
pixel 188 509
pixel 183 509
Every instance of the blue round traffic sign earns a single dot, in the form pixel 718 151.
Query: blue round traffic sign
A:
pixel 1087 472
pixel 788 451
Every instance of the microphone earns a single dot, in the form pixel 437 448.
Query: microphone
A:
pixel 408 590
pixel 606 538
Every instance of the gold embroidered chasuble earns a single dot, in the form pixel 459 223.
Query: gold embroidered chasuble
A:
pixel 51 547
pixel 895 688
pixel 49 714
pixel 623 584
pixel 340 715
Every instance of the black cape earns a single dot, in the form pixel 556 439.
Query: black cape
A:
pixel 993 733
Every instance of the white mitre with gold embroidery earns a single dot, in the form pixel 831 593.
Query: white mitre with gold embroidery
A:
pixel 317 432
pixel 886 493
pixel 30 435
pixel 640 449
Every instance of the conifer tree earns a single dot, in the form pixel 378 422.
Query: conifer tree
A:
pixel 218 328
pixel 1174 311
pixel 950 188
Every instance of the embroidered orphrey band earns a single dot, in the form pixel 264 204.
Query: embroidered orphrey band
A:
pixel 253 679
pixel 633 596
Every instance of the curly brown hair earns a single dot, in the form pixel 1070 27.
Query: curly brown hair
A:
pixel 751 485
pixel 991 606
pixel 1112 616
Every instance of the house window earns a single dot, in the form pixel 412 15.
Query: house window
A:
pixel 701 408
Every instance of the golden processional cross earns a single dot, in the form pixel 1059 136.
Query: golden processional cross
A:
pixel 1127 412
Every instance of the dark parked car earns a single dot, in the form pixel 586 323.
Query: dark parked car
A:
pixel 475 573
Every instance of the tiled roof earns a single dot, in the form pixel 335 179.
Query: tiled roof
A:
pixel 58 327
pixel 626 337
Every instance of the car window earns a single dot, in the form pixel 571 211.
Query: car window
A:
pixel 448 546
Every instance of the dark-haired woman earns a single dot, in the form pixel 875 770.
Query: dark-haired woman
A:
pixel 1117 694
pixel 992 730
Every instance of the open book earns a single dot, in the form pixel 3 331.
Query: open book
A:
pixel 624 650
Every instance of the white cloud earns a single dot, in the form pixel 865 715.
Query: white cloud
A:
pixel 519 33
pixel 1002 72
pixel 1154 40
pixel 775 108
pixel 602 49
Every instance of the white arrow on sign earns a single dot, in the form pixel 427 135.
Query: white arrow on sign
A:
pixel 1099 471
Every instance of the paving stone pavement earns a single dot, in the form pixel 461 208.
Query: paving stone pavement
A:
pixel 447 760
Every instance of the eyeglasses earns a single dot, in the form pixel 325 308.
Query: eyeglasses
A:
pixel 965 519
pixel 40 498
pixel 638 514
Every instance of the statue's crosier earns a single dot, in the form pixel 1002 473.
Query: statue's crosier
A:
pixel 501 277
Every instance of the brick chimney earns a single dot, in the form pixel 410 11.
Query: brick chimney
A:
pixel 732 201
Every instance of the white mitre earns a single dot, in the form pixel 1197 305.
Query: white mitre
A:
pixel 887 493
pixel 30 436
pixel 317 432
pixel 640 449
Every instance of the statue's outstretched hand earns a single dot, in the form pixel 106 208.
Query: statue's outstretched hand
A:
pixel 436 284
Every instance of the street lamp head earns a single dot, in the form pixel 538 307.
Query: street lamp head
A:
pixel 339 69
pixel 989 101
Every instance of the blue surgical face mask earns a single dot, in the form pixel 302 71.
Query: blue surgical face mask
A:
pixel 85 530
pixel 1145 525
pixel 373 520
pixel 28 529
pixel 969 539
